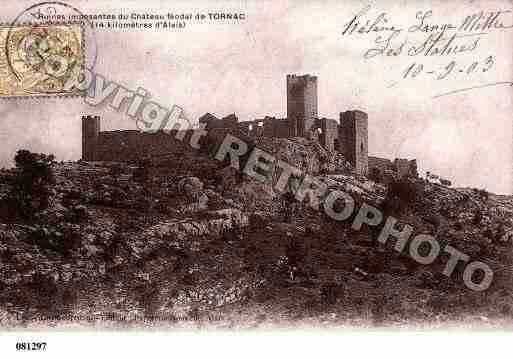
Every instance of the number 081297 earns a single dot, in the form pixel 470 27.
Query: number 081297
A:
pixel 21 346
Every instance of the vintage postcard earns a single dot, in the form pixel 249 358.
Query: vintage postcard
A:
pixel 255 165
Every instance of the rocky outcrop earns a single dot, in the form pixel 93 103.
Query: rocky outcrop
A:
pixel 308 156
pixel 214 224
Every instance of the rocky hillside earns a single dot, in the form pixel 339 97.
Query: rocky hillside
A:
pixel 308 156
pixel 183 237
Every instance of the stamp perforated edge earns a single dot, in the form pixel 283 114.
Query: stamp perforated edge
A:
pixel 63 95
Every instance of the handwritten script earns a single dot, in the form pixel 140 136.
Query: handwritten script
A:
pixel 426 37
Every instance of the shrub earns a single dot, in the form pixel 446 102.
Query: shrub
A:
pixel 478 217
pixel 402 193
pixel 35 170
pixel 33 182
pixel 407 190
pixel 482 193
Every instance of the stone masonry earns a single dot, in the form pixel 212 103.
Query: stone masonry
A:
pixel 353 139
pixel 348 136
pixel 90 137
pixel 302 102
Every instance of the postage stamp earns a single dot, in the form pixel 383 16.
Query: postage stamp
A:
pixel 38 60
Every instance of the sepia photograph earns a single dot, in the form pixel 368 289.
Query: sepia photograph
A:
pixel 254 167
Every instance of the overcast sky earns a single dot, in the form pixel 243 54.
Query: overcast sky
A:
pixel 241 67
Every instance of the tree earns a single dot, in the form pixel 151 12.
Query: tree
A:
pixel 34 179
pixel 407 190
pixel 483 194
pixel 34 170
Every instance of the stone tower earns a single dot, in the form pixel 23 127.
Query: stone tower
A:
pixel 90 134
pixel 353 139
pixel 302 102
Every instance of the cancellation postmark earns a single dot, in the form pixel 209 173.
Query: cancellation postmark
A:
pixel 39 59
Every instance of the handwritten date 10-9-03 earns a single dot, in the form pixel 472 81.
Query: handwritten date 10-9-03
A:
pixel 416 69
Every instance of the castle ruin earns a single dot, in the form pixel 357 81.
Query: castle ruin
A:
pixel 348 135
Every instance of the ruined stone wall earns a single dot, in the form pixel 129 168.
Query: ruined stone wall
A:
pixel 382 164
pixel 284 128
pixel 230 121
pixel 349 138
pixel 405 167
pixel 251 128
pixel 400 167
pixel 329 132
pixel 269 127
pixel 277 127
pixel 132 146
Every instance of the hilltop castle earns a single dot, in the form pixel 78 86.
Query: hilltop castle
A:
pixel 348 135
